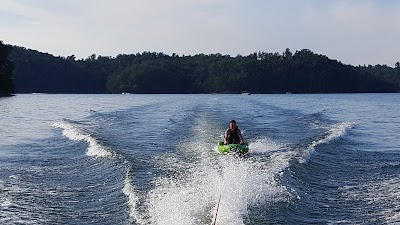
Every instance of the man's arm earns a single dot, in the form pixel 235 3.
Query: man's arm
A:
pixel 240 136
pixel 226 134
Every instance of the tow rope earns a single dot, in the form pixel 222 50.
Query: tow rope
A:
pixel 216 212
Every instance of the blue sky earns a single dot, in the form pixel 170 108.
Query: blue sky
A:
pixel 351 31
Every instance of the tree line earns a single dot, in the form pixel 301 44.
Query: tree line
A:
pixel 153 72
pixel 6 68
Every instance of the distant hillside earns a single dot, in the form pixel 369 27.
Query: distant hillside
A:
pixel 42 72
pixel 6 69
pixel 299 72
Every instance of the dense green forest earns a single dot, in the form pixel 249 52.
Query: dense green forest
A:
pixel 6 69
pixel 150 72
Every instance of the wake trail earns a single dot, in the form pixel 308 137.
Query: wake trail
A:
pixel 97 150
pixel 191 196
pixel 334 132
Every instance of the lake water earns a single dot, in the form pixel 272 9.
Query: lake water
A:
pixel 152 159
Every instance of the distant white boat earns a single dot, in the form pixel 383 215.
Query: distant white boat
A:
pixel 125 93
pixel 245 93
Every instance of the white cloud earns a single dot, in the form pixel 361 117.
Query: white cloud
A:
pixel 355 32
pixel 345 30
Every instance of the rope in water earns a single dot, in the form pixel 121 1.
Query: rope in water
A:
pixel 216 212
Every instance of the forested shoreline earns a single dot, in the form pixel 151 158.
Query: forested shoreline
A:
pixel 150 72
pixel 6 69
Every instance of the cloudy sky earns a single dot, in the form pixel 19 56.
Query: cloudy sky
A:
pixel 351 31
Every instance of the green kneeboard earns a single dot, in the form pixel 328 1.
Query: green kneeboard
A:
pixel 238 148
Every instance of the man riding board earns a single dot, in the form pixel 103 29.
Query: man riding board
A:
pixel 233 134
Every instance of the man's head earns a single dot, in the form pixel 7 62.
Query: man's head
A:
pixel 232 124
